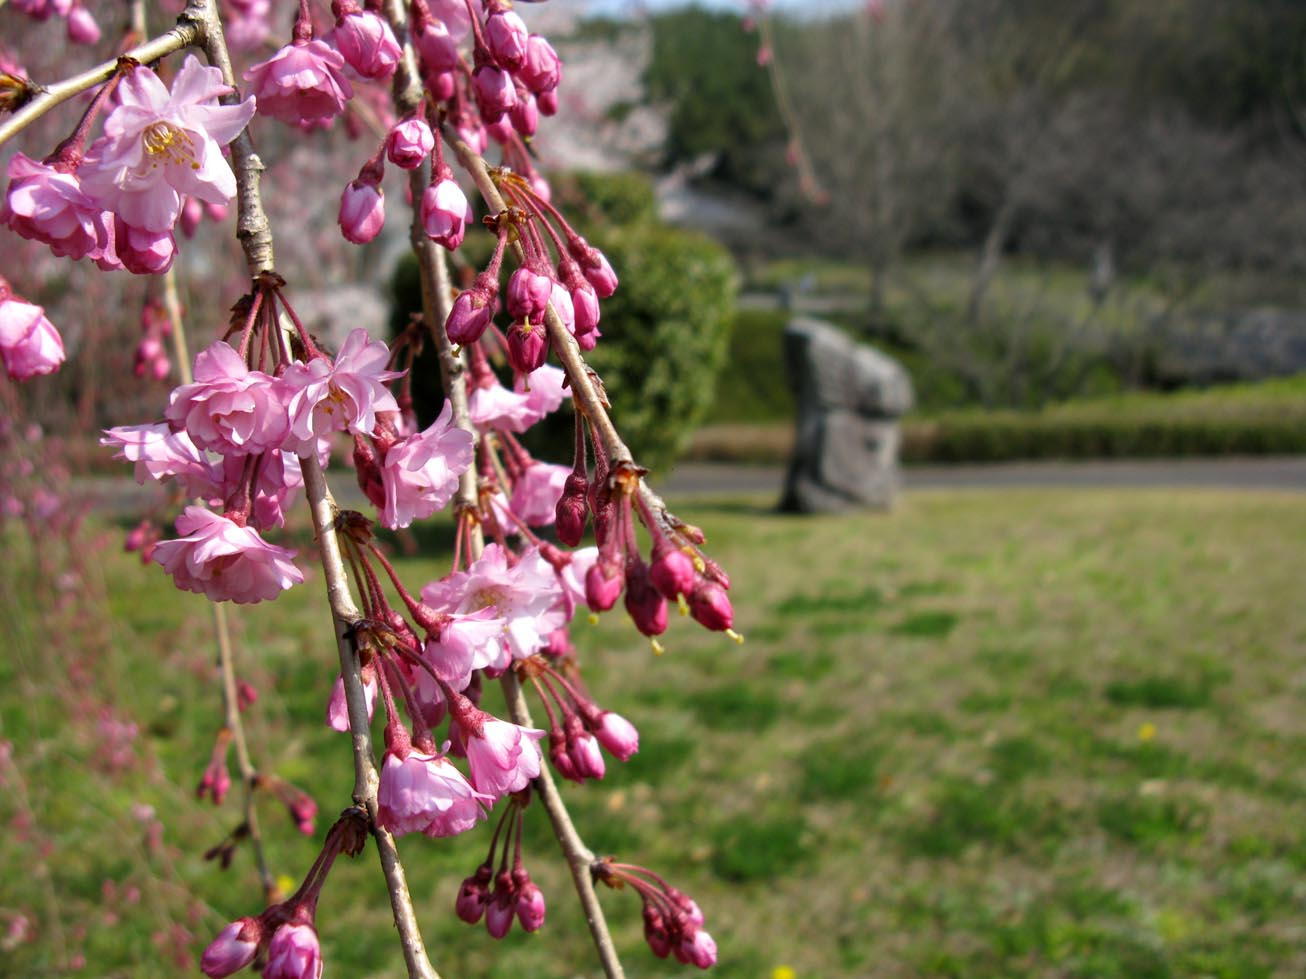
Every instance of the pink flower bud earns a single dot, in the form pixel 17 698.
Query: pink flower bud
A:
pixel 143 252
pixel 525 115
pixel 506 36
pixel 617 735
pixel 528 346
pixel 233 949
pixel 571 511
pixel 598 272
pixel 367 44
pixel 29 343
pixel 542 70
pixel 558 754
pixel 215 212
pixel 529 292
pixel 585 303
pixel 603 583
pixel 560 299
pixel 644 603
pixel 583 748
pixel 530 905
pixel 82 28
pixel 473 895
pixel 192 213
pixel 444 213
pixel 655 931
pixel 471 314
pixel 547 102
pixel 672 570
pixel 698 948
pixel 438 50
pixel 710 607
pixel 499 911
pixel 441 85
pixel 495 93
pixel 362 211
pixel 501 130
pixel 294 953
pixel 409 143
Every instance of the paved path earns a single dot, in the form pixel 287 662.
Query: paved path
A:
pixel 1249 472
pixel 121 495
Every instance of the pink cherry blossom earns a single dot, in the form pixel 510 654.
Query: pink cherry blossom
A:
pixel 229 408
pixel 467 642
pixel 279 481
pixel 82 28
pixel 494 406
pixel 424 793
pixel 218 558
pixel 420 473
pixel 45 203
pixel 294 953
pixel 503 757
pixel 29 343
pixel 233 949
pixel 302 84
pixel 141 251
pixel 453 15
pixel 536 492
pixel 160 453
pixel 158 145
pixel 543 68
pixel 545 391
pixel 344 394
pixel 506 36
pixel 409 143
pixel 247 24
pixel 362 211
pixel 367 43
pixel 338 709
pixel 444 213
pixel 697 948
pixel 526 596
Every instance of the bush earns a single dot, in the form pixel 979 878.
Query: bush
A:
pixel 589 198
pixel 665 337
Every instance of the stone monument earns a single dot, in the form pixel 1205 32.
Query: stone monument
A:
pixel 849 397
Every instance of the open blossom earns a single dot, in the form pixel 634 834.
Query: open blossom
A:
pixel 229 408
pixel 424 793
pixel 526 596
pixel 294 953
pixel 344 394
pixel 160 453
pixel 302 84
pixel 420 473
pixel 159 145
pixel 338 708
pixel 226 562
pixel 536 492
pixel 466 642
pixel 503 756
pixel 494 406
pixel 29 343
pixel 47 204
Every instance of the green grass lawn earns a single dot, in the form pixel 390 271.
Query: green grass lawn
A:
pixel 1052 733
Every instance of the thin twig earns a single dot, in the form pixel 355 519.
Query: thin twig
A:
pixel 256 239
pixel 226 658
pixel 186 32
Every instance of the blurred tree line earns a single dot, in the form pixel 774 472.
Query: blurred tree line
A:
pixel 1152 141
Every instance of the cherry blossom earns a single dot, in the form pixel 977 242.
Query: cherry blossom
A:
pixel 420 473
pixel 424 793
pixel 225 561
pixel 344 394
pixel 229 408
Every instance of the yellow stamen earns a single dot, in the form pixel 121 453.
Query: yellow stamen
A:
pixel 735 636
pixel 657 647
pixel 162 139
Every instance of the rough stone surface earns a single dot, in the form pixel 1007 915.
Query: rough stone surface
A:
pixel 850 397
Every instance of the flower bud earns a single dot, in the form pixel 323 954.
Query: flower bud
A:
pixel 644 603
pixel 698 948
pixel 603 584
pixel 542 70
pixel 233 949
pixel 470 315
pixel 671 570
pixel 528 346
pixel 362 211
pixel 437 48
pixel 655 931
pixel 547 102
pixel 617 735
pixel 571 511
pixel 585 302
pixel 530 903
pixel 368 44
pixel 409 143
pixel 506 36
pixel 192 213
pixel 441 85
pixel 503 903
pixel 529 292
pixel 501 130
pixel 294 953
pixel 444 213
pixel 472 896
pixel 143 252
pixel 599 273
pixel 558 754
pixel 525 115
pixel 710 607
pixel 82 28
pixel 495 93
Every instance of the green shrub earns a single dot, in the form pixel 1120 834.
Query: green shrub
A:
pixel 590 199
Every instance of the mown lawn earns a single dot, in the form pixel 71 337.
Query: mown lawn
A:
pixel 1044 733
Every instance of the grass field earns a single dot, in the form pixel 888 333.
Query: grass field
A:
pixel 990 735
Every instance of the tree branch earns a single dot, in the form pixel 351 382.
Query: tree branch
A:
pixel 186 33
pixel 256 239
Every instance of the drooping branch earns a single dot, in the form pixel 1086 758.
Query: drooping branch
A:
pixel 255 237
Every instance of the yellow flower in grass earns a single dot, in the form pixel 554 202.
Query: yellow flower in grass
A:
pixel 783 972
pixel 1146 731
